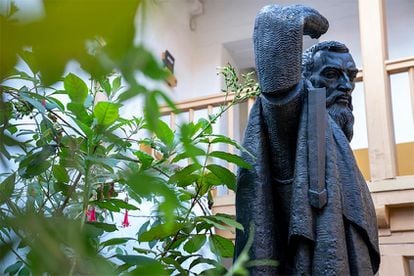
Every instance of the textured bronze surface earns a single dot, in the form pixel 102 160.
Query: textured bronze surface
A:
pixel 305 196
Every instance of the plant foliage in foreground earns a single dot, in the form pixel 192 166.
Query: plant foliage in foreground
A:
pixel 79 158
pixel 77 161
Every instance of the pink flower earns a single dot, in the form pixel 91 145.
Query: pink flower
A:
pixel 91 214
pixel 125 223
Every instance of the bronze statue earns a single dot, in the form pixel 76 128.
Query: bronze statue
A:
pixel 309 204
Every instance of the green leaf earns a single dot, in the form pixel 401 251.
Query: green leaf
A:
pixel 106 113
pixel 54 103
pixel 35 102
pixel 179 175
pixel 177 265
pixel 214 271
pixel 205 125
pixel 115 241
pixel 122 204
pixel 201 260
pixel 164 133
pixel 216 224
pixel 151 111
pixel 61 187
pixel 221 246
pixel 24 272
pixel 143 228
pixel 168 101
pixel 7 188
pixel 225 175
pixel 160 232
pixel 85 128
pixel 232 158
pixel 187 180
pixel 105 84
pixel 145 159
pixel 116 84
pixel 80 112
pixel 229 220
pixel 12 269
pixel 104 226
pixel 106 205
pixel 135 259
pixel 191 152
pixel 37 169
pixel 76 88
pixel 178 242
pixel 60 173
pixel 195 243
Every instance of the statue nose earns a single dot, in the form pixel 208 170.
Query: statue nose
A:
pixel 345 85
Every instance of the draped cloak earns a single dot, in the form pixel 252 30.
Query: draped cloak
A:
pixel 339 239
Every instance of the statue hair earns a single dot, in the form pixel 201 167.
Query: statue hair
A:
pixel 307 56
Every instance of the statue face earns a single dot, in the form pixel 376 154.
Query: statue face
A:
pixel 336 72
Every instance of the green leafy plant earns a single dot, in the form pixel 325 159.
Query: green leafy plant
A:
pixel 76 165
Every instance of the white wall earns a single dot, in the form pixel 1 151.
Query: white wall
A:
pixel 224 22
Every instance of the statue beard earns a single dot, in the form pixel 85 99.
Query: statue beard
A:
pixel 342 115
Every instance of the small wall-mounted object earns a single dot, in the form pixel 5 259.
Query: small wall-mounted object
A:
pixel 169 61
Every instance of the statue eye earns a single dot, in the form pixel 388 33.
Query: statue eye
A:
pixel 330 74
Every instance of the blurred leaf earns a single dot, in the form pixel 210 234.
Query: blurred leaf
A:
pixel 262 262
pixel 34 102
pixel 106 113
pixel 177 265
pixel 181 174
pixel 106 85
pixel 7 188
pixel 160 232
pixel 151 112
pixel 205 125
pixel 168 101
pixel 145 265
pixel 178 242
pixel 143 228
pixel 61 187
pixel 54 103
pixel 210 220
pixel 24 271
pixel 115 241
pixel 202 260
pixel 76 88
pixel 232 158
pixel 225 175
pixel 116 84
pixel 104 226
pixel 145 159
pixel 191 152
pixel 14 268
pixel 214 271
pixel 221 246
pixel 195 243
pixel 60 173
pixel 114 204
pixel 80 112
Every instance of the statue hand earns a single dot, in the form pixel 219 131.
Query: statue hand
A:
pixel 314 24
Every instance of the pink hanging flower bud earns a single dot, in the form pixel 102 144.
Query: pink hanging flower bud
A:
pixel 125 223
pixel 44 102
pixel 91 214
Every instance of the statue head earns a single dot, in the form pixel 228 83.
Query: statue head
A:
pixel 329 64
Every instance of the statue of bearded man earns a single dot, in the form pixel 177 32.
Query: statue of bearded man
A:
pixel 305 196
